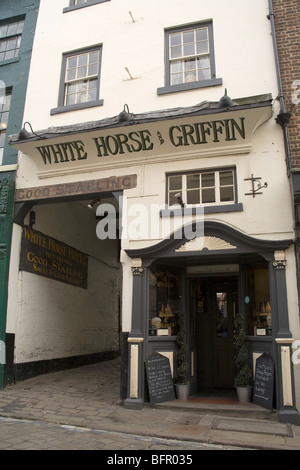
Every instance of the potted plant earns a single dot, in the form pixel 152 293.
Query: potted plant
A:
pixel 243 378
pixel 181 380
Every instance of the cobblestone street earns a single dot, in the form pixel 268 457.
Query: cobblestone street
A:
pixel 37 435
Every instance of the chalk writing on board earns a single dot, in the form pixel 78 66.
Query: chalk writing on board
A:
pixel 160 382
pixel 264 381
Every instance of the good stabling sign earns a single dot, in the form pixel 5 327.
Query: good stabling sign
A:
pixel 159 377
pixel 47 257
pixel 264 381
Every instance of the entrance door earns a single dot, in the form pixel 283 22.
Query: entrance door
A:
pixel 212 305
pixel 223 304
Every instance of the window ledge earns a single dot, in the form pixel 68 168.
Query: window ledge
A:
pixel 9 61
pixel 199 210
pixel 189 86
pixel 76 107
pixel 84 5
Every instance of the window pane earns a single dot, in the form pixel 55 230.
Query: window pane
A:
pixel 72 62
pixel 2 139
pixel 202 47
pixel 92 84
pixel 226 194
pixel 172 198
pixel 93 69
pixel 3 120
pixel 193 197
pixel 204 74
pixel 81 72
pixel 207 179
pixel 92 95
pixel 175 182
pixel 226 178
pixel 9 55
pixel 188 49
pixel 6 104
pixel 3 31
pixel 71 88
pixel 12 29
pixel 11 44
pixel 193 181
pixel 82 60
pixel 81 97
pixel 201 34
pixel 176 52
pixel 82 86
pixel 176 66
pixel 175 39
pixel 71 74
pixel 190 74
pixel 20 27
pixel 177 79
pixel 188 36
pixel 70 99
pixel 94 57
pixel 208 195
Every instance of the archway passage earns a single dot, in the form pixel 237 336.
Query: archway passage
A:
pixel 67 309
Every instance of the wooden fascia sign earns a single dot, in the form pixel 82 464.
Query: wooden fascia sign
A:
pixel 191 136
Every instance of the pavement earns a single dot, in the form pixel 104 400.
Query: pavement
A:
pixel 89 398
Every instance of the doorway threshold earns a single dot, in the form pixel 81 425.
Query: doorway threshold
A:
pixel 221 406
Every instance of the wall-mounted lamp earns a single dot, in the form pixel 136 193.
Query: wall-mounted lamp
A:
pixel 91 204
pixel 225 101
pixel 125 115
pixel 24 134
pixel 179 199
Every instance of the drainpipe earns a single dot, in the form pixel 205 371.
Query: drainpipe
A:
pixel 284 117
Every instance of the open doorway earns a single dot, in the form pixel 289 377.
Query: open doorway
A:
pixel 212 306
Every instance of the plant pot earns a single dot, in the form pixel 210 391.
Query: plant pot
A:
pixel 244 394
pixel 182 391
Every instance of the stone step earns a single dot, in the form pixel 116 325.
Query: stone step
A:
pixel 220 407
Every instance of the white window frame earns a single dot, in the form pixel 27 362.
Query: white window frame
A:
pixel 197 82
pixel 184 189
pixel 64 82
pixel 9 51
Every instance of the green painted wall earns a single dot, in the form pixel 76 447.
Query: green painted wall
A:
pixel 14 73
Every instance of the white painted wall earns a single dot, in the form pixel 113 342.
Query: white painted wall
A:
pixel 52 319
pixel 243 52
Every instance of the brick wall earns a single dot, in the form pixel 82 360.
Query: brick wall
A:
pixel 287 24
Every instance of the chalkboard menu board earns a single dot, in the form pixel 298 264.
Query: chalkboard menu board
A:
pixel 264 381
pixel 160 382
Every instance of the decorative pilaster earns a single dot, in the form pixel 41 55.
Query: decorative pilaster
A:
pixel 134 398
pixel 287 410
pixel 6 209
pixel 286 396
